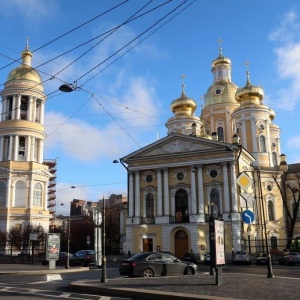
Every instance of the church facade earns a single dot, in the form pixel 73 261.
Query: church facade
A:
pixel 229 157
pixel 24 177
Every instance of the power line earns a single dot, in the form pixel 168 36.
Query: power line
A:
pixel 68 32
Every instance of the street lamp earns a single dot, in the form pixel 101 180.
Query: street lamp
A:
pixel 249 233
pixel 68 242
pixel 104 277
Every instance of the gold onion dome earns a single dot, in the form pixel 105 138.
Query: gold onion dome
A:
pixel 25 71
pixel 223 89
pixel 249 94
pixel 183 105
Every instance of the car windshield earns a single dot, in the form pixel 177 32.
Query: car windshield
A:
pixel 90 252
pixel 241 252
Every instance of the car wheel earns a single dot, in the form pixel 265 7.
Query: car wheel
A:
pixel 82 263
pixel 189 271
pixel 147 273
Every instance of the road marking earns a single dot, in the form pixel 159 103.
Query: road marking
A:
pixel 52 277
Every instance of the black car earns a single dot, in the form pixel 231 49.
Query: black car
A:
pixel 84 257
pixel 149 264
pixel 189 257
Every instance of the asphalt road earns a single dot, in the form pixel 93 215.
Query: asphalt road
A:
pixel 42 287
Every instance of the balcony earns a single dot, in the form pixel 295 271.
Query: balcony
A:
pixel 147 220
pixel 179 219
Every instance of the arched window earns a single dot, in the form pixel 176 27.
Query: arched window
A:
pixel 20 194
pixel 262 143
pixel 149 206
pixel 37 195
pixel 274 159
pixel 181 206
pixel 2 193
pixel 271 211
pixel 215 199
pixel 220 134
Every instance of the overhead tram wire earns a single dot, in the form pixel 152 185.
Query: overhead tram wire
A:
pixel 107 32
pixel 70 31
pixel 108 35
pixel 132 40
pixel 137 43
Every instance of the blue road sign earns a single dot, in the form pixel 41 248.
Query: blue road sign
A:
pixel 247 216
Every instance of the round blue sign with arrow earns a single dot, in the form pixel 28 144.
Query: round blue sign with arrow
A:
pixel 247 216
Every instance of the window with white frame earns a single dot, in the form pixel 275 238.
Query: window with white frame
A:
pixel 37 195
pixel 271 210
pixel 149 205
pixel 262 144
pixel 214 196
pixel 20 194
pixel 220 132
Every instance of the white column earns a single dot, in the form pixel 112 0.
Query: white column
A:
pixel 45 198
pixel 28 148
pixel 200 191
pixel 193 192
pixel 17 103
pixel 226 188
pixel 254 135
pixel 244 134
pixel 31 104
pixel 8 194
pixel 42 112
pixel 1 148
pixel 4 105
pixel 41 152
pixel 159 193
pixel 15 147
pixel 130 194
pixel 11 147
pixel 166 193
pixel 32 152
pixel 30 200
pixel 234 204
pixel 137 193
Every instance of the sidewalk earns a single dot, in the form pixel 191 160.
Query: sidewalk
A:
pixel 200 286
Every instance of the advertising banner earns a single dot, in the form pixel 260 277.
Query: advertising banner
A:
pixel 52 246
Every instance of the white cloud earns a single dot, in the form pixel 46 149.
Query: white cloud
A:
pixel 287 29
pixel 30 10
pixel 288 59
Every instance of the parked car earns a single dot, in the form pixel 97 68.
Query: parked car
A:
pixel 207 258
pixel 189 257
pixel 63 260
pixel 241 257
pixel 261 259
pixel 149 264
pixel 84 257
pixel 289 258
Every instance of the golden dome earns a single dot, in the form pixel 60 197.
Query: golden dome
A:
pixel 25 71
pixel 220 92
pixel 249 94
pixel 183 105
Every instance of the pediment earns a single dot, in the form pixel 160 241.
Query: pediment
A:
pixel 177 144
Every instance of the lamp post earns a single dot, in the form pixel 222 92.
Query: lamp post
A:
pixel 68 244
pixel 249 233
pixel 103 277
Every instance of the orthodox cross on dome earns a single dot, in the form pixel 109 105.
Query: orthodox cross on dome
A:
pixel 27 43
pixel 247 63
pixel 182 84
pixel 220 41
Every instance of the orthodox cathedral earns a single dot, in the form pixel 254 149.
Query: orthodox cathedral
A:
pixel 228 158
pixel 24 175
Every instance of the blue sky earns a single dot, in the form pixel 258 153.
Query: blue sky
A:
pixel 122 103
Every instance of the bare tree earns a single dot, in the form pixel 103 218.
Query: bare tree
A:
pixel 290 193
pixel 14 239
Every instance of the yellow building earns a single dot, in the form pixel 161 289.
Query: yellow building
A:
pixel 23 176
pixel 173 183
